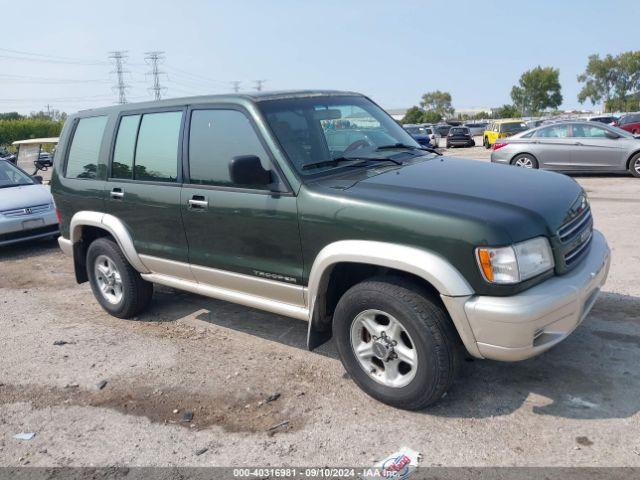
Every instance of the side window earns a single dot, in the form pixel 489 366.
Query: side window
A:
pixel 216 137
pixel 156 157
pixel 588 131
pixel 82 161
pixel 554 131
pixel 122 166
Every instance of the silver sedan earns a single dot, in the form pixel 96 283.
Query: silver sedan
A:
pixel 571 147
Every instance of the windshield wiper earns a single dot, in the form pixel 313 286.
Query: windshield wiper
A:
pixel 335 161
pixel 409 147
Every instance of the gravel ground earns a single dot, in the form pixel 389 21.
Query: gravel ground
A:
pixel 576 405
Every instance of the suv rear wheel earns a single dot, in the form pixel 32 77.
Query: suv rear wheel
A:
pixel 397 343
pixel 485 142
pixel 117 286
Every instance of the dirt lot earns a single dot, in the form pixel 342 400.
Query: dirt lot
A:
pixel 575 405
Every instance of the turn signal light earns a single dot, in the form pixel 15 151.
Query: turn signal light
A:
pixel 484 258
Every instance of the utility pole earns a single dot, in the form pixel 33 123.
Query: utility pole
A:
pixel 119 57
pixel 154 59
pixel 259 84
pixel 236 85
pixel 48 107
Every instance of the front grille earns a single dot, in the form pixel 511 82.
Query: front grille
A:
pixel 21 212
pixel 575 237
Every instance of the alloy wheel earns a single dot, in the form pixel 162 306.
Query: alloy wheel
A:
pixel 524 162
pixel 384 348
pixel 108 279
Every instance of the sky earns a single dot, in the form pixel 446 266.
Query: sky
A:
pixel 56 53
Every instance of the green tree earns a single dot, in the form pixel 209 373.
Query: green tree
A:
pixel 438 102
pixel 600 80
pixel 537 90
pixel 10 116
pixel 413 115
pixel 24 128
pixel 507 111
pixel 431 116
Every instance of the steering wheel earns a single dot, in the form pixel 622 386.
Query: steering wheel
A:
pixel 356 145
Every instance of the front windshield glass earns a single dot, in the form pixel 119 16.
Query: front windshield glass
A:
pixel 321 129
pixel 10 176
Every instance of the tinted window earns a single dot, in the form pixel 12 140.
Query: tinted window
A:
pixel 513 127
pixel 216 136
pixel 85 148
pixel 554 131
pixel 122 166
pixel 157 150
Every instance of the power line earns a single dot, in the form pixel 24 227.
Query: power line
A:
pixel 154 58
pixel 120 57
pixel 259 84
pixel 54 58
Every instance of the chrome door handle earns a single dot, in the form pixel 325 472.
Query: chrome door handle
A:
pixel 117 193
pixel 198 202
pixel 578 143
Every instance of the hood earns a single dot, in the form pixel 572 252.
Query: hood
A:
pixel 522 202
pixel 24 196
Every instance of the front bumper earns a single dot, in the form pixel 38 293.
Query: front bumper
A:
pixel 524 325
pixel 28 227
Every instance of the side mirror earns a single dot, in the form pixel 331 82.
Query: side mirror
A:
pixel 611 135
pixel 247 170
pixel 37 178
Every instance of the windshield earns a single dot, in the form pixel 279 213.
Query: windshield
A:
pixel 10 176
pixel 513 127
pixel 317 129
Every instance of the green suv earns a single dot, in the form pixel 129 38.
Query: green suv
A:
pixel 317 205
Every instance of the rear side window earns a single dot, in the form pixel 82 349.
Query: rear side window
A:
pixel 84 152
pixel 216 136
pixel 122 166
pixel 147 147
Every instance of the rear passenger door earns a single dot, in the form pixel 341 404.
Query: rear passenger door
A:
pixel 236 229
pixel 144 180
pixel 553 147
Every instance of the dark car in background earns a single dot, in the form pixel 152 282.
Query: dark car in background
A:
pixel 630 123
pixel 606 119
pixel 476 128
pixel 419 134
pixel 460 137
pixel 441 130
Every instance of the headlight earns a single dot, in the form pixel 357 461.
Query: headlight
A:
pixel 516 263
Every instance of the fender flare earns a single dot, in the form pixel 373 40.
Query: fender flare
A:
pixel 112 225
pixel 445 278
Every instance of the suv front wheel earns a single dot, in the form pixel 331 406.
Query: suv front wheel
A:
pixel 396 342
pixel 117 286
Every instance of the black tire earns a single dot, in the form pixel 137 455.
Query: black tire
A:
pixel 634 165
pixel 437 344
pixel 448 145
pixel 534 161
pixel 136 292
pixel 486 144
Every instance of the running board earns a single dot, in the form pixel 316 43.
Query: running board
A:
pixel 248 300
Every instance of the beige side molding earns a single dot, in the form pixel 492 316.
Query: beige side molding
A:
pixel 430 266
pixel 112 225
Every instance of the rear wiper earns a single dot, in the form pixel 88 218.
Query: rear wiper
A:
pixel 335 161
pixel 410 147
